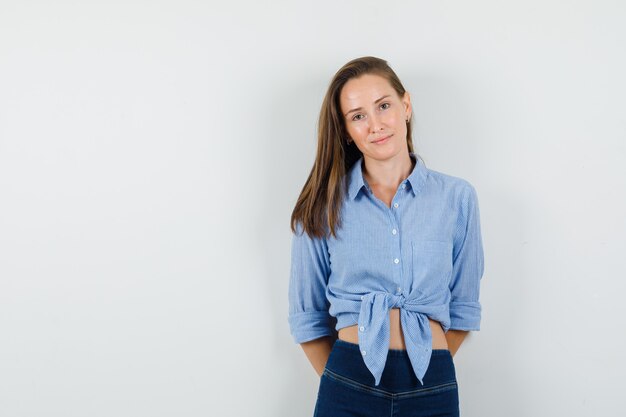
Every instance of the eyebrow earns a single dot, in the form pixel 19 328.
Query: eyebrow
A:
pixel 360 108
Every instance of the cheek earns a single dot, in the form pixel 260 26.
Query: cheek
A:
pixel 398 121
pixel 393 117
pixel 357 130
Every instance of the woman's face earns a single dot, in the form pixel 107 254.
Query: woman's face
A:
pixel 373 111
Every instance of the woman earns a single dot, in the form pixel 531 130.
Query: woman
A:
pixel 386 257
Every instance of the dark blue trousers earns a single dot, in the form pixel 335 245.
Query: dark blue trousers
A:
pixel 347 386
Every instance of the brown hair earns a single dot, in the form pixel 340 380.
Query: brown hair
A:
pixel 321 197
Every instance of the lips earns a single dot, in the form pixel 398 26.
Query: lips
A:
pixel 381 140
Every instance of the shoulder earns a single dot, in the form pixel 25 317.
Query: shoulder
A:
pixel 453 186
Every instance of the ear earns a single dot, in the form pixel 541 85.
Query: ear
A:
pixel 406 100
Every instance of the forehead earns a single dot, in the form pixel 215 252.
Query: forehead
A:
pixel 365 90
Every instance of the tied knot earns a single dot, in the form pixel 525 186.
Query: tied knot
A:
pixel 374 330
pixel 397 301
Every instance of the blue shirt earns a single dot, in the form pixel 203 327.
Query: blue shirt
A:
pixel 423 255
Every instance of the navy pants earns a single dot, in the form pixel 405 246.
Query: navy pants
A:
pixel 347 386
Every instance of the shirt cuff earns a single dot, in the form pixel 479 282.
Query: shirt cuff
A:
pixel 465 315
pixel 306 326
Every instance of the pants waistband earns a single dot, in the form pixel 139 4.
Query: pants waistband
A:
pixel 346 360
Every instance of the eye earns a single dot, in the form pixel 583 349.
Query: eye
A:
pixel 355 117
pixel 385 104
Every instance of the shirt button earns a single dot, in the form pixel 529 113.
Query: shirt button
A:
pixel 362 297
pixel 399 289
pixel 361 328
pixel 394 231
pixel 363 352
pixel 403 185
pixel 396 260
pixel 395 205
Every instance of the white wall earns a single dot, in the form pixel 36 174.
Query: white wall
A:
pixel 151 153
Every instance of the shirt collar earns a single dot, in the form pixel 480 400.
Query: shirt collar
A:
pixel 416 179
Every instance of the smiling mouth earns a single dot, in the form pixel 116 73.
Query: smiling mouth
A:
pixel 381 139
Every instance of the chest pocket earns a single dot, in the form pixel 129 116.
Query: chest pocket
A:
pixel 431 265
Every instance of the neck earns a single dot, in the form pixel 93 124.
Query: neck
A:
pixel 388 173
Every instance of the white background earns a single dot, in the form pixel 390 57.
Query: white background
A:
pixel 151 153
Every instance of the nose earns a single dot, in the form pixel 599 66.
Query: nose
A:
pixel 375 123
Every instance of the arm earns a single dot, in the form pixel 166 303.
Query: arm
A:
pixel 318 351
pixel 310 323
pixel 455 338
pixel 468 268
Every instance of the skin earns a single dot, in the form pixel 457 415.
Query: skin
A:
pixel 372 110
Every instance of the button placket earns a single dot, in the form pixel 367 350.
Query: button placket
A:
pixel 395 232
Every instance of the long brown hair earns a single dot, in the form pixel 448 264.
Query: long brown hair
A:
pixel 318 206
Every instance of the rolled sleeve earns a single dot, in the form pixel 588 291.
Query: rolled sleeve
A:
pixel 308 316
pixel 468 266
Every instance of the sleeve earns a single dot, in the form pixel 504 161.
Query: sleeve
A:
pixel 467 266
pixel 308 317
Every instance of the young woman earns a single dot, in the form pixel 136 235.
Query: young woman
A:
pixel 386 257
